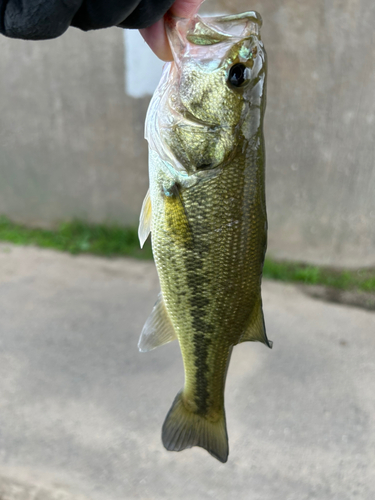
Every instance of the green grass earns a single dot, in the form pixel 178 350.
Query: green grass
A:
pixel 78 237
pixel 344 279
pixel 114 241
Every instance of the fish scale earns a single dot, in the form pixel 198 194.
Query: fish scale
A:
pixel 207 215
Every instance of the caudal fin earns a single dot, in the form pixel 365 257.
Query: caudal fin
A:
pixel 183 429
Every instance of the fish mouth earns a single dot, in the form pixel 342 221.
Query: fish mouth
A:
pixel 194 119
pixel 205 166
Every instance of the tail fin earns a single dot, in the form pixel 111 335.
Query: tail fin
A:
pixel 183 429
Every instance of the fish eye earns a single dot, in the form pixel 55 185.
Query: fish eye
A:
pixel 238 75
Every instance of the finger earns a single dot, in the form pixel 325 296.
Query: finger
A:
pixel 185 8
pixel 156 37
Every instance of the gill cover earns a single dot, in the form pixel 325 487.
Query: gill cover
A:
pixel 209 97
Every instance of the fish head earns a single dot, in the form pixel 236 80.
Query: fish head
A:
pixel 211 99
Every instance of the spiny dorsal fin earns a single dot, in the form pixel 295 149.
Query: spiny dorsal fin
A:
pixel 145 220
pixel 158 329
pixel 256 329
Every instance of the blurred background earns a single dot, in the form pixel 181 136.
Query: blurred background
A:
pixel 72 114
pixel 80 409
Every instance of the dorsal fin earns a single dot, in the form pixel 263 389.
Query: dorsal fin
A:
pixel 145 219
pixel 256 329
pixel 158 329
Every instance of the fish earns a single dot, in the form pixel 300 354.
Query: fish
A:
pixel 206 211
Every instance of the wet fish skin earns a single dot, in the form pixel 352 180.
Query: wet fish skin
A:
pixel 208 222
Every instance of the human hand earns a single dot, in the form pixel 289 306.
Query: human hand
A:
pixel 156 36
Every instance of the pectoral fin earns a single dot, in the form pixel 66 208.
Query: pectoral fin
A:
pixel 256 330
pixel 145 220
pixel 158 329
pixel 175 216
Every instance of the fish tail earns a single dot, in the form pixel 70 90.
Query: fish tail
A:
pixel 184 429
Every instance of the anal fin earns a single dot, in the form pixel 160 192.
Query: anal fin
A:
pixel 145 218
pixel 158 329
pixel 256 329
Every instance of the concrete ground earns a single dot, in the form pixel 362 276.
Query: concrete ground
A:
pixel 81 410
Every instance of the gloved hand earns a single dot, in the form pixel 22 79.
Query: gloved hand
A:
pixel 44 19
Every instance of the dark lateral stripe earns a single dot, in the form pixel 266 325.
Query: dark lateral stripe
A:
pixel 203 329
pixel 201 341
pixel 201 346
pixel 194 257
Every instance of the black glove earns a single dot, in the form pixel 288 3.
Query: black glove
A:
pixel 42 19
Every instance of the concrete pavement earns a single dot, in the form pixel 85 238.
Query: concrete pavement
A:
pixel 81 410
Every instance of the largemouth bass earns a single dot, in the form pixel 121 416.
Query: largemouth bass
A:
pixel 206 211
